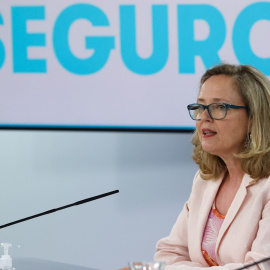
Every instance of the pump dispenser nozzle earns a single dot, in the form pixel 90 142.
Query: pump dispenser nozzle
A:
pixel 5 260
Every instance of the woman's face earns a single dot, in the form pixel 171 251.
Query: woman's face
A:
pixel 222 137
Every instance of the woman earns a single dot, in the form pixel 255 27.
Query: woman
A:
pixel 226 222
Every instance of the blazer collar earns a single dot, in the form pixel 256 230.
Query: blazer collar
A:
pixel 210 192
pixel 207 202
pixel 234 208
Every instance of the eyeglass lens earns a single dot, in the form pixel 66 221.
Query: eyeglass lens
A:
pixel 216 111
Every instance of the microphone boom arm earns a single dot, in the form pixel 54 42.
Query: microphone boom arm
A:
pixel 60 208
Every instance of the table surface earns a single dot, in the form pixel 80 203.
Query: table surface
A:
pixel 39 264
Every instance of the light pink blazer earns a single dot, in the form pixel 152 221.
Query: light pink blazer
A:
pixel 244 236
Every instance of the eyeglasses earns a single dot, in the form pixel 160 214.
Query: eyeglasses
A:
pixel 216 111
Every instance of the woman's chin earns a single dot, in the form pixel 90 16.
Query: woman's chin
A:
pixel 209 149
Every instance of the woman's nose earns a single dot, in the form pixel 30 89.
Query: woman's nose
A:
pixel 206 116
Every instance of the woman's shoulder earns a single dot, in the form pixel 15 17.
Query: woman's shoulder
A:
pixel 201 186
pixel 260 186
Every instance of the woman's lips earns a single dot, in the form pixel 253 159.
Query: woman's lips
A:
pixel 208 133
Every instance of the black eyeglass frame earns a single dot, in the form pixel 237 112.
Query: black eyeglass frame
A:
pixel 209 111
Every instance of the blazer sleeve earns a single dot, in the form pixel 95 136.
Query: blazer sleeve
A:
pixel 173 249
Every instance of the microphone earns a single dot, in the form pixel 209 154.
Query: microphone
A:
pixel 61 208
pixel 254 263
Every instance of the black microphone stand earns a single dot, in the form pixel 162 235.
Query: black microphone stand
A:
pixel 60 208
pixel 254 263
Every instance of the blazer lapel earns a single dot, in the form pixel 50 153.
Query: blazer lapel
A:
pixel 203 213
pixel 234 208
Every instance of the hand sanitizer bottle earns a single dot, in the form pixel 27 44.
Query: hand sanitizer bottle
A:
pixel 5 260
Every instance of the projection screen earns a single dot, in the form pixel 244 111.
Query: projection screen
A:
pixel 119 64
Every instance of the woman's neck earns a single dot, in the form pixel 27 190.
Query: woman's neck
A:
pixel 235 173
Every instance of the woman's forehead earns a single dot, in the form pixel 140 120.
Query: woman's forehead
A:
pixel 219 88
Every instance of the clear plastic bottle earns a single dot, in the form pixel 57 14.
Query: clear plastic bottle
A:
pixel 5 260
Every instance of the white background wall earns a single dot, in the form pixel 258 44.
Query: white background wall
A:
pixel 41 170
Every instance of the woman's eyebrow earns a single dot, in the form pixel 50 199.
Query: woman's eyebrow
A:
pixel 214 100
pixel 200 100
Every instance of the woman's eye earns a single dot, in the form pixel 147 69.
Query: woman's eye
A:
pixel 219 107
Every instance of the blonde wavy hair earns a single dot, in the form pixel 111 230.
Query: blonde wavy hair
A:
pixel 254 88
